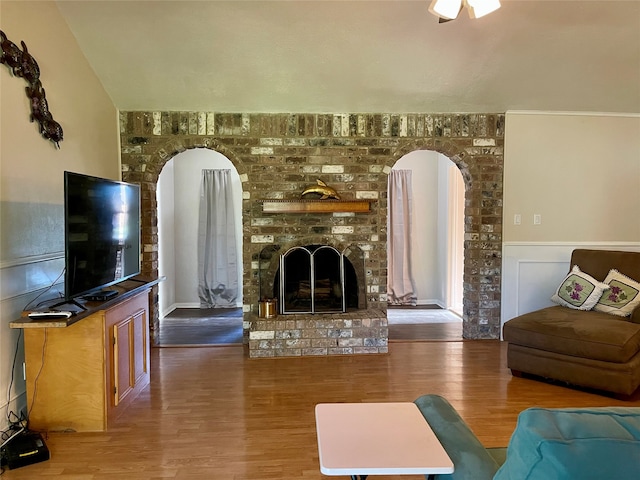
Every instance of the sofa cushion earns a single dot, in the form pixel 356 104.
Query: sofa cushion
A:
pixel 622 297
pixel 579 290
pixel 585 444
pixel 591 334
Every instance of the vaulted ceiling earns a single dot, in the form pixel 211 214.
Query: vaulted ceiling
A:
pixel 361 56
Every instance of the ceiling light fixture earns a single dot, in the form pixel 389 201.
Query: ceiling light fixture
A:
pixel 449 9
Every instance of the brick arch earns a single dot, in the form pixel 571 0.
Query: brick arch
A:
pixel 474 300
pixel 278 155
pixel 147 174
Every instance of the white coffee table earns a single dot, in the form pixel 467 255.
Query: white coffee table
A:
pixel 361 439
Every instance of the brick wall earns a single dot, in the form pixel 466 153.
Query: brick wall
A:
pixel 278 155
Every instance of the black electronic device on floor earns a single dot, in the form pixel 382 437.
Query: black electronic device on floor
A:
pixel 24 448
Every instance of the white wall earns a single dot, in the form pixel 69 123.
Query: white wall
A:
pixel 165 196
pixel 581 173
pixel 452 199
pixel 424 241
pixel 179 221
pixel 430 234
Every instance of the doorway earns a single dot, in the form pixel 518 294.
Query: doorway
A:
pixel 182 321
pixel 436 250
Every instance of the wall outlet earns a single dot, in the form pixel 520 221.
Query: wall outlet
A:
pixel 517 219
pixel 537 219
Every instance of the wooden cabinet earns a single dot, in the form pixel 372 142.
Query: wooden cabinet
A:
pixel 81 376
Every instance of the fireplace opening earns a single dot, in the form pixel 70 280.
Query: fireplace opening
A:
pixel 315 279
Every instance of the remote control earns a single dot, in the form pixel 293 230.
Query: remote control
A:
pixel 50 314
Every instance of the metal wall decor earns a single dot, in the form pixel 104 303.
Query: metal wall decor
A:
pixel 22 64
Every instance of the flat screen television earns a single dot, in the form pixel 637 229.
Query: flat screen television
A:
pixel 102 234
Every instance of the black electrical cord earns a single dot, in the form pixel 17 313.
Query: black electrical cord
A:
pixel 13 370
pixel 35 381
pixel 18 423
pixel 13 419
pixel 44 291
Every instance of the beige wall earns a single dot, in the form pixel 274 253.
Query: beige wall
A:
pixel 31 168
pixel 30 164
pixel 580 172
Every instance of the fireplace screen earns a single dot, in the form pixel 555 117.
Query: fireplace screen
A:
pixel 316 279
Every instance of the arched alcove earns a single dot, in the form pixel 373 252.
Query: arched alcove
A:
pixel 178 197
pixel 483 226
pixel 436 241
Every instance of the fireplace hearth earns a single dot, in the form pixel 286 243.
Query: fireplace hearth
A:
pixel 322 297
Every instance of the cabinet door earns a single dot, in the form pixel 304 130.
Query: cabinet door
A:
pixel 140 347
pixel 128 368
pixel 123 368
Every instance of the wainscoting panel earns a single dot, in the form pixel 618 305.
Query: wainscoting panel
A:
pixel 532 271
pixel 22 281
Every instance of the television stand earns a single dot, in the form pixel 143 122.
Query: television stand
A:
pixel 112 338
pixel 101 296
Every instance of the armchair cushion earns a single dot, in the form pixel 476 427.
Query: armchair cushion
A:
pixel 592 335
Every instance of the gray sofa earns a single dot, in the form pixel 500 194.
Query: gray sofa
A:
pixel 589 349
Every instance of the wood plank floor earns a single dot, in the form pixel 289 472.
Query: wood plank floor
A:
pixel 214 326
pixel 206 326
pixel 212 413
pixel 423 323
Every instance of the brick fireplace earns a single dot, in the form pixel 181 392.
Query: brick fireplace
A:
pixel 316 319
pixel 278 156
pixel 316 279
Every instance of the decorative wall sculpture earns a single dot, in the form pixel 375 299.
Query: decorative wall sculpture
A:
pixel 22 64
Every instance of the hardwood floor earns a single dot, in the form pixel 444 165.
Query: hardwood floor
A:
pixel 422 332
pixel 220 326
pixel 425 322
pixel 212 413
pixel 197 327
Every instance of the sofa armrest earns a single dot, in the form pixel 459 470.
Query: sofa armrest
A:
pixel 470 459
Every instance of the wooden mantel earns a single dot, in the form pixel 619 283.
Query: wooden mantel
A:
pixel 315 206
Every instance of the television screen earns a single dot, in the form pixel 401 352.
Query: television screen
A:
pixel 102 233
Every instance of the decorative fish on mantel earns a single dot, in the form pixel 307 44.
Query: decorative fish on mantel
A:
pixel 322 189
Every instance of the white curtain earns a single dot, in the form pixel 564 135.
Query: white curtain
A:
pixel 217 250
pixel 400 285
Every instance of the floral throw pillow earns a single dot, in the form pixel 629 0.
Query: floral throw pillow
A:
pixel 579 290
pixel 622 297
